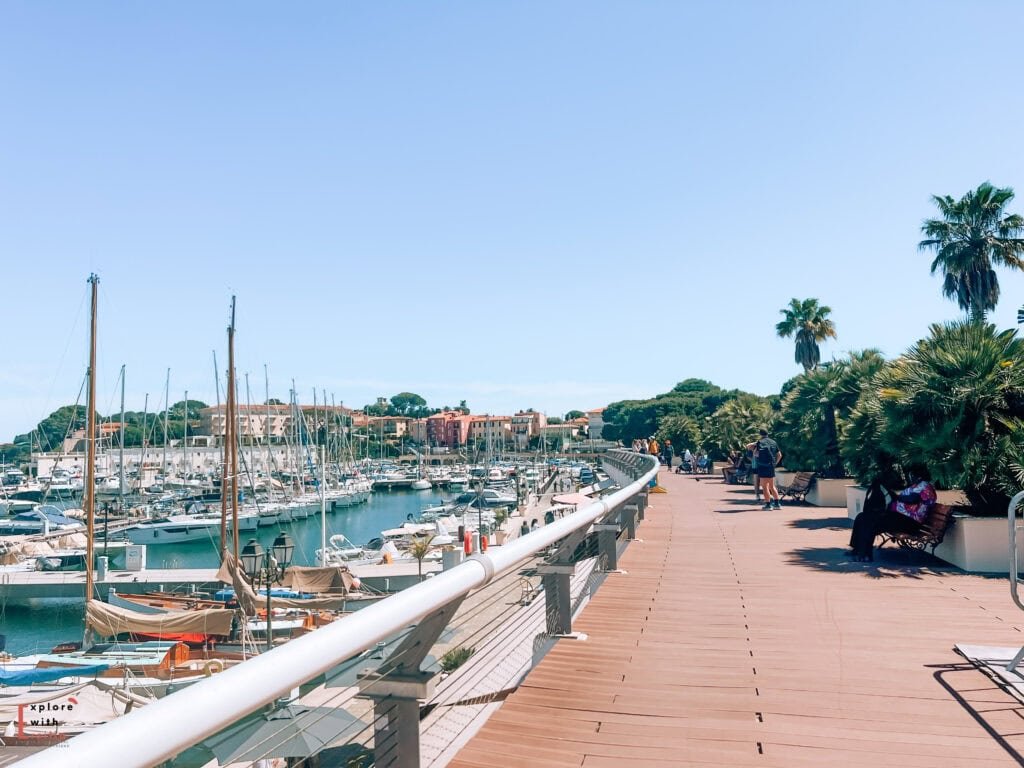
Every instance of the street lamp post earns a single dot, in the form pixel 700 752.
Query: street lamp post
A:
pixel 267 568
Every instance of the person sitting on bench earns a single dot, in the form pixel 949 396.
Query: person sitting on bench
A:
pixel 739 466
pixel 886 511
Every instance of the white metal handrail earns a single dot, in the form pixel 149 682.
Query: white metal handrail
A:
pixel 161 730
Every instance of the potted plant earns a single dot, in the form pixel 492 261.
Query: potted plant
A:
pixel 500 534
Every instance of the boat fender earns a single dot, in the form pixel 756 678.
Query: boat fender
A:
pixel 467 543
pixel 213 666
pixel 356 583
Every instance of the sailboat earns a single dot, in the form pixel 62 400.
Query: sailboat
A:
pixel 420 483
pixel 112 620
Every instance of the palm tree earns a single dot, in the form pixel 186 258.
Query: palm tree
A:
pixel 419 549
pixel 809 322
pixel 973 235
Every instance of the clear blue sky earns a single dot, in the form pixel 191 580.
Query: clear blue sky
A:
pixel 551 204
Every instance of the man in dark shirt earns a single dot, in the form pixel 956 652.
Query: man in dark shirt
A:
pixel 766 457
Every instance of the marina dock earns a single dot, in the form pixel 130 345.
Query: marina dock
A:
pixel 25 588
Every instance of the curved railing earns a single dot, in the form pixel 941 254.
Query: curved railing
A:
pixel 161 730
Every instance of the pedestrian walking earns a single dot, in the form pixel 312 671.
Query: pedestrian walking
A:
pixel 766 457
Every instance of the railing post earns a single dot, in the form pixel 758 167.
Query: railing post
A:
pixel 556 578
pixel 628 518
pixel 557 597
pixel 641 502
pixel 396 712
pixel 607 545
pixel 397 687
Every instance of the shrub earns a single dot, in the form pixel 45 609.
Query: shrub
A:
pixel 953 403
pixel 816 410
pixel 454 658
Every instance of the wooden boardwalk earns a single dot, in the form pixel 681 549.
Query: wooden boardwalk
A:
pixel 742 637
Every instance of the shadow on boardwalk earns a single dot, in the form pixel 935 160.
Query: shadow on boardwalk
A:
pixel 988 711
pixel 821 523
pixel 889 563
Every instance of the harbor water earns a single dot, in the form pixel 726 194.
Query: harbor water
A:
pixel 39 629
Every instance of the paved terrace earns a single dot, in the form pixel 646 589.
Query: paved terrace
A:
pixel 742 637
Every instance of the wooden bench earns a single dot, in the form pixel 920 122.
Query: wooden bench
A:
pixel 931 533
pixel 798 487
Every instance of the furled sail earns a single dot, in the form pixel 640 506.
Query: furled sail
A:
pixel 110 620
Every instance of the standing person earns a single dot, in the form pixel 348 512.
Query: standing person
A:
pixel 652 447
pixel 754 477
pixel 670 453
pixel 766 457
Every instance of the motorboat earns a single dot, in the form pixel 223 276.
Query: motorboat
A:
pixel 341 551
pixel 440 510
pixel 488 497
pixel 176 529
pixel 40 520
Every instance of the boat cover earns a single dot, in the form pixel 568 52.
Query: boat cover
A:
pixel 78 705
pixel 333 580
pixel 110 620
pixel 47 674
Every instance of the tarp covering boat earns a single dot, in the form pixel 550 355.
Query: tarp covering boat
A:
pixel 329 585
pixel 110 620
pixel 47 674
pixel 320 580
pixel 73 707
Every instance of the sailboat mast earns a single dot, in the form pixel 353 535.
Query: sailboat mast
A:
pixel 142 447
pixel 223 463
pixel 120 491
pixel 167 413
pixel 235 444
pixel 184 442
pixel 233 441
pixel 266 427
pixel 250 434
pixel 323 506
pixel 90 449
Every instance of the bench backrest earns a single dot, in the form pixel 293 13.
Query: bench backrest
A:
pixel 801 482
pixel 937 521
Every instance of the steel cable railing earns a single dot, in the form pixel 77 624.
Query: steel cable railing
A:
pixel 161 730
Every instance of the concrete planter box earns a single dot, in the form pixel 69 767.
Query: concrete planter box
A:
pixel 783 476
pixel 829 492
pixel 855 495
pixel 978 544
